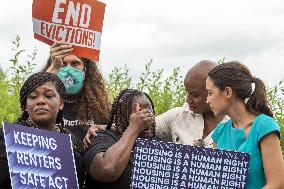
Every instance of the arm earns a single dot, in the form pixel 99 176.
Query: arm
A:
pixel 58 51
pixel 272 161
pixel 163 125
pixel 109 166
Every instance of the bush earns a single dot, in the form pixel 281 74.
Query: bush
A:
pixel 166 92
pixel 276 99
pixel 10 86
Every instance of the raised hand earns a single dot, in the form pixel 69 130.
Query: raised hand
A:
pixel 141 119
pixel 58 51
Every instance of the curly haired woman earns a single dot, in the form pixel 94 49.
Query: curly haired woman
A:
pixel 87 99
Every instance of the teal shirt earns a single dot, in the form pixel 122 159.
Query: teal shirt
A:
pixel 228 138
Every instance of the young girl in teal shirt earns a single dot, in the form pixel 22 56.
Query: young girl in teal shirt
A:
pixel 233 91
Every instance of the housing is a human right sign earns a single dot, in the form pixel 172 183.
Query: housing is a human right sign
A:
pixel 77 22
pixel 175 166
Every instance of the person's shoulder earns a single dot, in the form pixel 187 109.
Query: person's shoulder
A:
pixel 264 125
pixel 175 110
pixel 262 118
pixel 107 134
pixel 173 113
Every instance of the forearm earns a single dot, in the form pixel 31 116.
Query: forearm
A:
pixel 114 161
pixel 119 153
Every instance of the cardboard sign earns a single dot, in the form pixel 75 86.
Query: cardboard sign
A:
pixel 39 158
pixel 175 166
pixel 78 23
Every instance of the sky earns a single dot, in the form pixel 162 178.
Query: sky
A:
pixel 174 34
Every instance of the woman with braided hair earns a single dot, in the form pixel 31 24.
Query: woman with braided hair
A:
pixel 87 101
pixel 108 160
pixel 233 91
pixel 41 98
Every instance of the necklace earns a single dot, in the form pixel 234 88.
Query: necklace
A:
pixel 33 125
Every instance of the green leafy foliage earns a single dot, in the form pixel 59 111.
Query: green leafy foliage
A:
pixel 118 80
pixel 10 86
pixel 276 99
pixel 166 92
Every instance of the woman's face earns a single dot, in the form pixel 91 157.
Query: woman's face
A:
pixel 73 61
pixel 144 103
pixel 43 104
pixel 216 98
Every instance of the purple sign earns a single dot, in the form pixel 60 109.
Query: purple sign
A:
pixel 39 158
pixel 175 166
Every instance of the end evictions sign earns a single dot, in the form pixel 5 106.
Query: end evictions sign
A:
pixel 77 22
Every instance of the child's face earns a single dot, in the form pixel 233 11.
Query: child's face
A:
pixel 144 103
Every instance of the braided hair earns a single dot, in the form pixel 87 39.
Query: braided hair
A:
pixel 32 83
pixel 239 78
pixel 122 109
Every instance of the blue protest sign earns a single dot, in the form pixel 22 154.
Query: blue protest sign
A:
pixel 39 158
pixel 175 166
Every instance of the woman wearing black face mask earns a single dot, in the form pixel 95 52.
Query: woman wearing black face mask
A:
pixel 87 101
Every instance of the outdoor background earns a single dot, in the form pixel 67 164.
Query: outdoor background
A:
pixel 158 41
pixel 166 91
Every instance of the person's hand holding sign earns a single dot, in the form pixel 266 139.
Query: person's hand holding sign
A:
pixel 78 23
pixel 58 51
